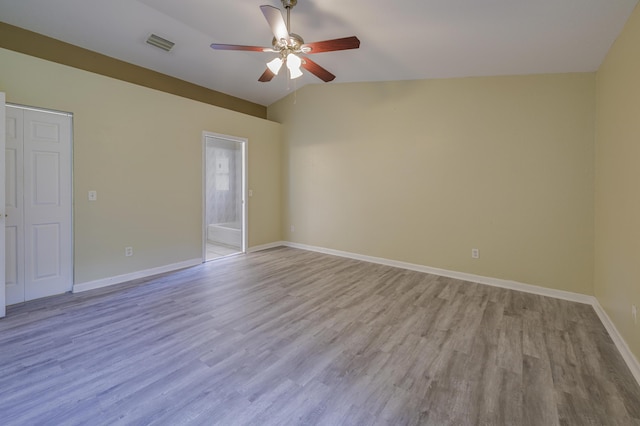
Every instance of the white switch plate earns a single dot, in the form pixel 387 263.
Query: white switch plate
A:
pixel 128 251
pixel 251 193
pixel 475 253
pixel 93 195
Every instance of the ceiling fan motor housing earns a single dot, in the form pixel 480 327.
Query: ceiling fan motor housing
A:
pixel 293 44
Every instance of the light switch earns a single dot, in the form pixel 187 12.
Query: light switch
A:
pixel 251 193
pixel 93 195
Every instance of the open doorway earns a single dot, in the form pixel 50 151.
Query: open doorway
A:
pixel 225 215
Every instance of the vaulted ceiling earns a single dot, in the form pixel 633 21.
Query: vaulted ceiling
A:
pixel 400 40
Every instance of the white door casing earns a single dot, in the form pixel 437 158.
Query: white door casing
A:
pixel 3 302
pixel 242 143
pixel 39 234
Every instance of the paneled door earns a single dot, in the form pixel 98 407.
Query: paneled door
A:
pixel 14 210
pixel 38 204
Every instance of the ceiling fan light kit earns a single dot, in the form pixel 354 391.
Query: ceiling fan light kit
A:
pixel 293 63
pixel 275 65
pixel 290 46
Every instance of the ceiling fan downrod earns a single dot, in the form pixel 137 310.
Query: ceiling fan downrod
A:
pixel 288 4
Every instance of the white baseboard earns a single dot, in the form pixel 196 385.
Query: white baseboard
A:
pixel 104 282
pixel 621 344
pixel 265 246
pixel 496 282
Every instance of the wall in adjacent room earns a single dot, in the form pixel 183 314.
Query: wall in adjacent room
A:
pixel 424 171
pixel 617 199
pixel 141 150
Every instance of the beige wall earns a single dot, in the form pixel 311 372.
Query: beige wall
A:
pixel 424 171
pixel 141 150
pixel 617 200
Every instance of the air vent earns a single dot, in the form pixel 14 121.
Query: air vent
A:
pixel 160 42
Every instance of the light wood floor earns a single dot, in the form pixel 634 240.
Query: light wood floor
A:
pixel 289 337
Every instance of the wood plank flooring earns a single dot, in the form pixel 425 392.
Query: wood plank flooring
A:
pixel 290 337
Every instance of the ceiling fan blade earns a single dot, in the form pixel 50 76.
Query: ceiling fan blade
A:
pixel 218 46
pixel 317 70
pixel 276 22
pixel 267 75
pixel 331 45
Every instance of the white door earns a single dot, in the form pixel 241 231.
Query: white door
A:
pixel 14 210
pixel 2 213
pixel 39 234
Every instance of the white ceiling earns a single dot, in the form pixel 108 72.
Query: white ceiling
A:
pixel 400 40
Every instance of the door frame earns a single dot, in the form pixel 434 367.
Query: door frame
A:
pixel 3 287
pixel 244 146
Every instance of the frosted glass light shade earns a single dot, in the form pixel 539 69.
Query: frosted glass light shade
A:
pixel 275 65
pixel 293 63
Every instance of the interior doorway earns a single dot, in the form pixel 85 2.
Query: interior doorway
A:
pixel 225 216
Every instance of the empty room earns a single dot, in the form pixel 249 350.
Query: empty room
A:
pixel 308 212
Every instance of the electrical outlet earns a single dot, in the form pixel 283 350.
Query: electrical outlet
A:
pixel 128 251
pixel 475 253
pixel 634 313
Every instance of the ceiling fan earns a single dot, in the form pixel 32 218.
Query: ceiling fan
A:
pixel 289 46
